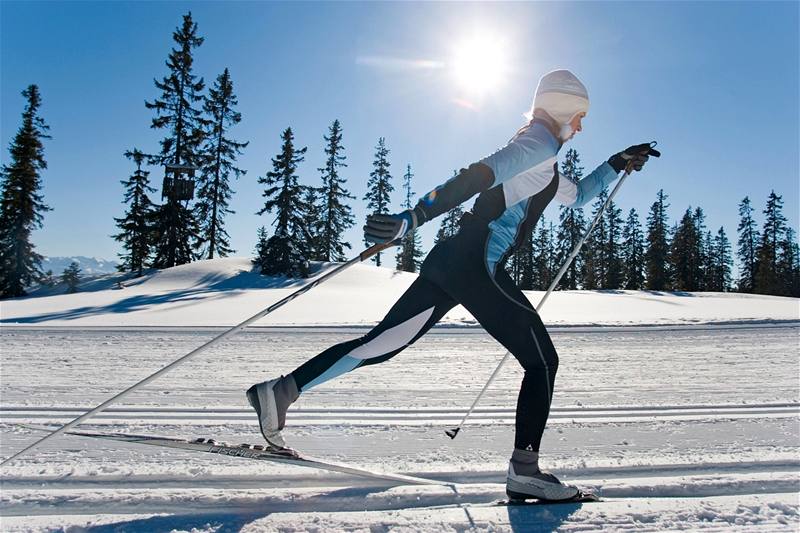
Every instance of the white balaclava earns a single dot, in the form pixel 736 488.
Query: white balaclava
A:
pixel 562 95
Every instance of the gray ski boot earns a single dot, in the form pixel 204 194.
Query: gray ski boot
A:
pixel 526 481
pixel 271 399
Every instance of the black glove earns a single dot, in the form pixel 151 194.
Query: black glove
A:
pixel 386 228
pixel 636 155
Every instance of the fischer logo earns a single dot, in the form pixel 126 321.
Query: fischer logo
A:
pixel 235 452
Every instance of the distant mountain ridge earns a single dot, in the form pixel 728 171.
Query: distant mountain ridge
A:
pixel 90 266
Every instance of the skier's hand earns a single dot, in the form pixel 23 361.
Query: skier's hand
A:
pixel 386 228
pixel 636 155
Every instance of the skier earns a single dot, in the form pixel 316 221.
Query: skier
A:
pixel 515 185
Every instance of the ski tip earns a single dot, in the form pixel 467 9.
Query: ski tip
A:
pixel 452 432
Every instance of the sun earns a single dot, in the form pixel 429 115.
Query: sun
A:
pixel 479 63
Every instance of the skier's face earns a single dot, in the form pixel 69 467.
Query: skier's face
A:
pixel 576 125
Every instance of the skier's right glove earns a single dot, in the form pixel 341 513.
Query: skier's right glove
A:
pixel 383 228
pixel 637 155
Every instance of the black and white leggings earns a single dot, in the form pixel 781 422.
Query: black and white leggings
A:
pixel 447 278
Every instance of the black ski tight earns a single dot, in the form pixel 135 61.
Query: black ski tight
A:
pixel 454 274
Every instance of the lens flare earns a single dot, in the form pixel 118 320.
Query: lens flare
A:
pixel 479 63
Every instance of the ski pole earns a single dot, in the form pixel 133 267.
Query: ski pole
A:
pixel 454 431
pixel 366 254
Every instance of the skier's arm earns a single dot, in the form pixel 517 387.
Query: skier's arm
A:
pixel 523 153
pixel 573 194
pixel 579 194
pixel 382 228
pixel 455 191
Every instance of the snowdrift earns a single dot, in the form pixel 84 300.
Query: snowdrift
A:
pixel 223 292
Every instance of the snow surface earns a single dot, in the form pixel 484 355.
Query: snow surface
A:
pixel 224 292
pixel 689 424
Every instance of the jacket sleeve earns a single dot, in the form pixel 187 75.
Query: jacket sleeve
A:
pixel 455 191
pixel 573 194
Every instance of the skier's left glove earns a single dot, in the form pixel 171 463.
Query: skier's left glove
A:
pixel 636 155
pixel 387 228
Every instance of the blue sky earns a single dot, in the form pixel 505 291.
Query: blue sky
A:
pixel 716 84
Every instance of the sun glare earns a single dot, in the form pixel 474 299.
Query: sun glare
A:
pixel 479 63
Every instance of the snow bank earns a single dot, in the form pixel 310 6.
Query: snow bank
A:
pixel 223 292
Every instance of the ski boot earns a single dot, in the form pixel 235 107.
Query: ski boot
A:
pixel 271 399
pixel 540 486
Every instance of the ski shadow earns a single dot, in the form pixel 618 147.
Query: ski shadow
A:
pixel 235 520
pixel 220 523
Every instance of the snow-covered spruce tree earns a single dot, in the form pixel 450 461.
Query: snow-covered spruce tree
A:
pixel 336 215
pixel 379 186
pixel 449 225
pixel 71 277
pixel 656 256
pixel 633 252
pixel 768 279
pixel 747 247
pixel 409 256
pixel 214 190
pixel 684 256
pixel 614 271
pixel 178 110
pixel 571 225
pixel 135 227
pixel 21 201
pixel 595 258
pixel 286 251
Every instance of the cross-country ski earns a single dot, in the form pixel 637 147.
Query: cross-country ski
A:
pixel 392 266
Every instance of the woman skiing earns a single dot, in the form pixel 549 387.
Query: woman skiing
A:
pixel 515 185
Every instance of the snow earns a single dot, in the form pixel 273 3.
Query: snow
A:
pixel 682 411
pixel 224 292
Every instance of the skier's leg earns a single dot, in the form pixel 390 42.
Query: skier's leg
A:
pixel 420 307
pixel 507 315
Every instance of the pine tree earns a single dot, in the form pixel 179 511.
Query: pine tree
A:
pixel 543 256
pixel 178 111
pixel 748 247
pixel 633 252
pixel 684 258
pixel 789 264
pixel 174 229
pixel 135 227
pixel 708 263
pixel 702 238
pixel 21 201
pixel 286 252
pixel 379 186
pixel 768 279
pixel 595 257
pixel 572 225
pixel 314 227
pixel 657 254
pixel 262 237
pixel 214 190
pixel 450 223
pixel 70 277
pixel 721 263
pixel 409 257
pixel 336 215
pixel 614 272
